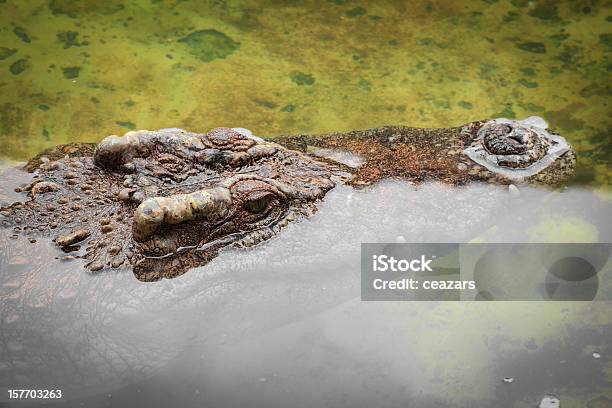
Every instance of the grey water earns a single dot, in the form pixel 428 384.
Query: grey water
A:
pixel 282 324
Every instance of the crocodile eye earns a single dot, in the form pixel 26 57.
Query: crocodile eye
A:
pixel 258 204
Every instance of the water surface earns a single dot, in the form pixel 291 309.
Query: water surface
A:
pixel 282 324
pixel 81 70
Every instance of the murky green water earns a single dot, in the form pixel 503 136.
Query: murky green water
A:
pixel 80 70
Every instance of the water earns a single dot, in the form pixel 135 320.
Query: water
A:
pixel 81 70
pixel 282 323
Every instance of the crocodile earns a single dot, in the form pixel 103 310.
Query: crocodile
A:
pixel 163 202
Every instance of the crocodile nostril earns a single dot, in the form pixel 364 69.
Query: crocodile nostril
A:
pixel 516 138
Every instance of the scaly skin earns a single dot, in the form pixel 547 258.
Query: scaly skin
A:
pixel 167 201
pixel 97 204
pixel 420 155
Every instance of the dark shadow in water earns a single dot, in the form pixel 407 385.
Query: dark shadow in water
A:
pixel 561 367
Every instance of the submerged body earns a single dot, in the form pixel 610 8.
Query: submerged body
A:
pixel 167 201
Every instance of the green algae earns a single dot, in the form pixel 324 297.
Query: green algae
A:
pixel 487 70
pixel 77 8
pixel 535 47
pixel 69 39
pixel 301 78
pixel 527 84
pixel 288 108
pixel 365 85
pixel 557 39
pixel 566 117
pixel 596 89
pixel 356 12
pixel 545 10
pixel 531 107
pixel 442 104
pixel 529 71
pixel 606 39
pixel 126 124
pixel 425 41
pixel 265 103
pixel 507 113
pixel 209 45
pixel 19 66
pixel 307 67
pixel 6 52
pixel 71 72
pixel 511 16
pixel 21 33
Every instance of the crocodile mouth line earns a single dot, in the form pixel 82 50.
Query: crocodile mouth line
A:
pixel 226 240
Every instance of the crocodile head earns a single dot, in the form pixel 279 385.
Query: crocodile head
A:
pixel 167 201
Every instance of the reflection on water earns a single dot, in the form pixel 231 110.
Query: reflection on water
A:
pixel 281 324
pixel 80 70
